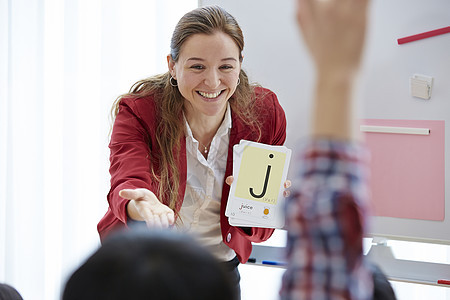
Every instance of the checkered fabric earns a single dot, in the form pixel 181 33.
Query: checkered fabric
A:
pixel 325 218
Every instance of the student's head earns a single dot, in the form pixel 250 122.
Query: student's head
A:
pixel 7 292
pixel 382 289
pixel 139 264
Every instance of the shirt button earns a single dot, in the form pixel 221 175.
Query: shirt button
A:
pixel 229 237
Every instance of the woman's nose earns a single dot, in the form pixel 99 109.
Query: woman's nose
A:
pixel 212 79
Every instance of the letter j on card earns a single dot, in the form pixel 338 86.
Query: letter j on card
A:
pixel 260 174
pixel 256 195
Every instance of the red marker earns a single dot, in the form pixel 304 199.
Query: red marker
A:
pixel 442 281
pixel 423 35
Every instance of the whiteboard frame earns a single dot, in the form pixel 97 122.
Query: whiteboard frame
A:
pixel 276 59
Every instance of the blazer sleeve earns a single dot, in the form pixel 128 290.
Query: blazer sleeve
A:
pixel 130 163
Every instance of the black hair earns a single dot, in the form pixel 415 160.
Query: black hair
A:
pixel 144 264
pixel 7 292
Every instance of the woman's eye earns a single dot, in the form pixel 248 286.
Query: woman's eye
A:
pixel 197 67
pixel 226 67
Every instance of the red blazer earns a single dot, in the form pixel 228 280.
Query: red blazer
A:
pixel 133 142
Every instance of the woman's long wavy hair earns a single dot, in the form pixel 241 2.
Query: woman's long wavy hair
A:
pixel 169 101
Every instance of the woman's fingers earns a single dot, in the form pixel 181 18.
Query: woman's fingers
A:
pixel 287 184
pixel 167 218
pixel 137 194
pixel 160 216
pixel 149 208
pixel 144 211
pixel 150 221
pixel 131 194
pixel 229 180
pixel 164 221
pixel 157 222
pixel 170 217
pixel 159 219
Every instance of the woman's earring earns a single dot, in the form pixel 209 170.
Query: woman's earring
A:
pixel 239 81
pixel 171 83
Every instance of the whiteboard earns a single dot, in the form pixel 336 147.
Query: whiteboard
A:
pixel 275 57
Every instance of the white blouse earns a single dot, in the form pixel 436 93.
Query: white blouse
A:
pixel 200 212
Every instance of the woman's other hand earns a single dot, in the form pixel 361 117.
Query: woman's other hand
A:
pixel 287 185
pixel 145 206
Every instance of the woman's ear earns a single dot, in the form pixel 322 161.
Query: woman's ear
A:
pixel 171 66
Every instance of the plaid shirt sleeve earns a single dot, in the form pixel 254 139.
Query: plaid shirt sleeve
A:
pixel 325 219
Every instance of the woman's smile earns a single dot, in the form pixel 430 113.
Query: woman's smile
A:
pixel 210 95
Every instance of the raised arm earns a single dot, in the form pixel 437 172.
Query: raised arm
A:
pixel 334 32
pixel 325 216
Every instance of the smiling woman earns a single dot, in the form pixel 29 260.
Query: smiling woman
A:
pixel 173 137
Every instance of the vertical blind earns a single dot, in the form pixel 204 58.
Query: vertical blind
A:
pixel 62 64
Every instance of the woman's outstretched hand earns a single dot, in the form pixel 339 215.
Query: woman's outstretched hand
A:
pixel 145 206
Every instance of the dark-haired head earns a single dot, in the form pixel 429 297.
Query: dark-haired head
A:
pixel 7 292
pixel 142 264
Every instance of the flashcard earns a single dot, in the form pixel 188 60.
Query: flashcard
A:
pixel 256 194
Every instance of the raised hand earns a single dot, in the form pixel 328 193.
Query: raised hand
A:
pixel 334 32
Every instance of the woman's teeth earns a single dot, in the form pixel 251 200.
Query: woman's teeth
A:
pixel 209 95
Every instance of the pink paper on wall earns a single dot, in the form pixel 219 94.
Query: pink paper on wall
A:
pixel 408 170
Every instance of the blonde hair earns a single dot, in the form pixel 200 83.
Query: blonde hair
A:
pixel 169 102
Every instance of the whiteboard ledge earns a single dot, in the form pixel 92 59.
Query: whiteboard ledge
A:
pixel 397 130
